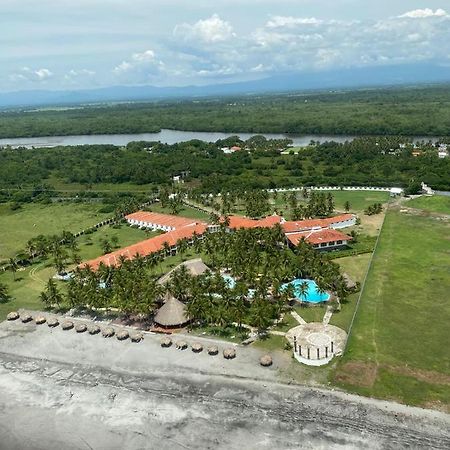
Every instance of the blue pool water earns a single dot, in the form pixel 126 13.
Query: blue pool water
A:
pixel 312 295
pixel 231 283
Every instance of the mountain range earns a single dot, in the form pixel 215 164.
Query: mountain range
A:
pixel 332 79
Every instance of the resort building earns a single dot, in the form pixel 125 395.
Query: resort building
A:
pixel 157 221
pixel 322 239
pixel 337 222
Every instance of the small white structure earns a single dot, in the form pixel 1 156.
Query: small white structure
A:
pixel 442 154
pixel 426 189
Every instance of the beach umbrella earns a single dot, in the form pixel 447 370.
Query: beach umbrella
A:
pixel 213 350
pixel 166 342
pixel 67 325
pixel 26 318
pixel 122 335
pixel 229 353
pixel 81 328
pixel 93 329
pixel 13 315
pixel 52 322
pixel 40 320
pixel 108 332
pixel 136 337
pixel 266 360
pixel 197 347
pixel 181 345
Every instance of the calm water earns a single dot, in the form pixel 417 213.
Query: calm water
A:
pixel 165 136
pixel 312 294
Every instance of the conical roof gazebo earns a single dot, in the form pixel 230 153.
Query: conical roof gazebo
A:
pixel 172 314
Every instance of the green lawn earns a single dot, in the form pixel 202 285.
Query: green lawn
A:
pixel 17 227
pixel 436 203
pixel 402 322
pixel 186 211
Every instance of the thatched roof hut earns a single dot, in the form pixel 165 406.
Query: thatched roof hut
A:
pixel 122 335
pixel 194 266
pixel 266 360
pixel 197 347
pixel 181 345
pixel 40 320
pixel 94 329
pixel 81 328
pixel 13 315
pixel 213 350
pixel 67 325
pixel 108 332
pixel 25 318
pixel 166 342
pixel 172 314
pixel 136 337
pixel 348 281
pixel 52 322
pixel 229 353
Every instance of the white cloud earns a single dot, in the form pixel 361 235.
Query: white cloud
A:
pixel 210 30
pixel 291 22
pixel 27 74
pixel 146 60
pixel 424 13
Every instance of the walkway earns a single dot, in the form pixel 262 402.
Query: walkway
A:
pixel 297 317
pixel 327 316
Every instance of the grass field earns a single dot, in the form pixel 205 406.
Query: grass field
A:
pixel 17 227
pixel 186 211
pixel 436 204
pixel 399 341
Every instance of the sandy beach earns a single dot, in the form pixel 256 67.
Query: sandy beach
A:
pixel 61 389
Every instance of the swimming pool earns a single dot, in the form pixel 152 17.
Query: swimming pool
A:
pixel 312 295
pixel 231 283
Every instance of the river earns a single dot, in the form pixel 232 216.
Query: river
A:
pixel 165 136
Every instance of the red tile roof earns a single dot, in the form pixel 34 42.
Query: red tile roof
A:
pixel 302 225
pixel 244 222
pixel 147 247
pixel 318 237
pixel 166 220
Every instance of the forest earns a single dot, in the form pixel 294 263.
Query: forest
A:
pixel 420 111
pixel 34 175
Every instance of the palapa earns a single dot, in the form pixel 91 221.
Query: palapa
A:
pixel 122 335
pixel 25 318
pixel 94 329
pixel 197 347
pixel 229 353
pixel 67 325
pixel 81 328
pixel 172 313
pixel 181 345
pixel 13 315
pixel 136 337
pixel 40 320
pixel 266 360
pixel 52 322
pixel 108 332
pixel 213 350
pixel 166 342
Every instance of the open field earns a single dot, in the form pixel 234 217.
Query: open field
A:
pixel 399 343
pixel 436 204
pixel 185 211
pixel 17 227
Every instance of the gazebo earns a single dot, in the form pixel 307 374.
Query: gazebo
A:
pixel 172 314
pixel 194 266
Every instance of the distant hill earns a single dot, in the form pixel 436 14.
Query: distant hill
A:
pixel 342 78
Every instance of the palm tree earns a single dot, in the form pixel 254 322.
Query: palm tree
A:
pixel 51 296
pixel 13 267
pixel 4 295
pixel 303 290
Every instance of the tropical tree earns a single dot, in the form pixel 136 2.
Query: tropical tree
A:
pixel 51 296
pixel 4 295
pixel 347 206
pixel 13 266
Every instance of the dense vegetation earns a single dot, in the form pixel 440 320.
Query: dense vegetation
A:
pixel 407 111
pixel 382 161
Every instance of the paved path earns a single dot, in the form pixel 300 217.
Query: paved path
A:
pixel 327 316
pixel 297 317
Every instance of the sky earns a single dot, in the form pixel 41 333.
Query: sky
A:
pixel 73 44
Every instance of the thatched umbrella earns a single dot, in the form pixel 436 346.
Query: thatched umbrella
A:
pixel 93 329
pixel 181 345
pixel 166 342
pixel 67 325
pixel 81 328
pixel 108 332
pixel 122 335
pixel 172 313
pixel 52 322
pixel 26 318
pixel 136 337
pixel 197 347
pixel 266 360
pixel 40 320
pixel 213 350
pixel 13 315
pixel 229 353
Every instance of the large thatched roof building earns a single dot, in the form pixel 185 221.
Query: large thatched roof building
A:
pixel 172 314
pixel 194 266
